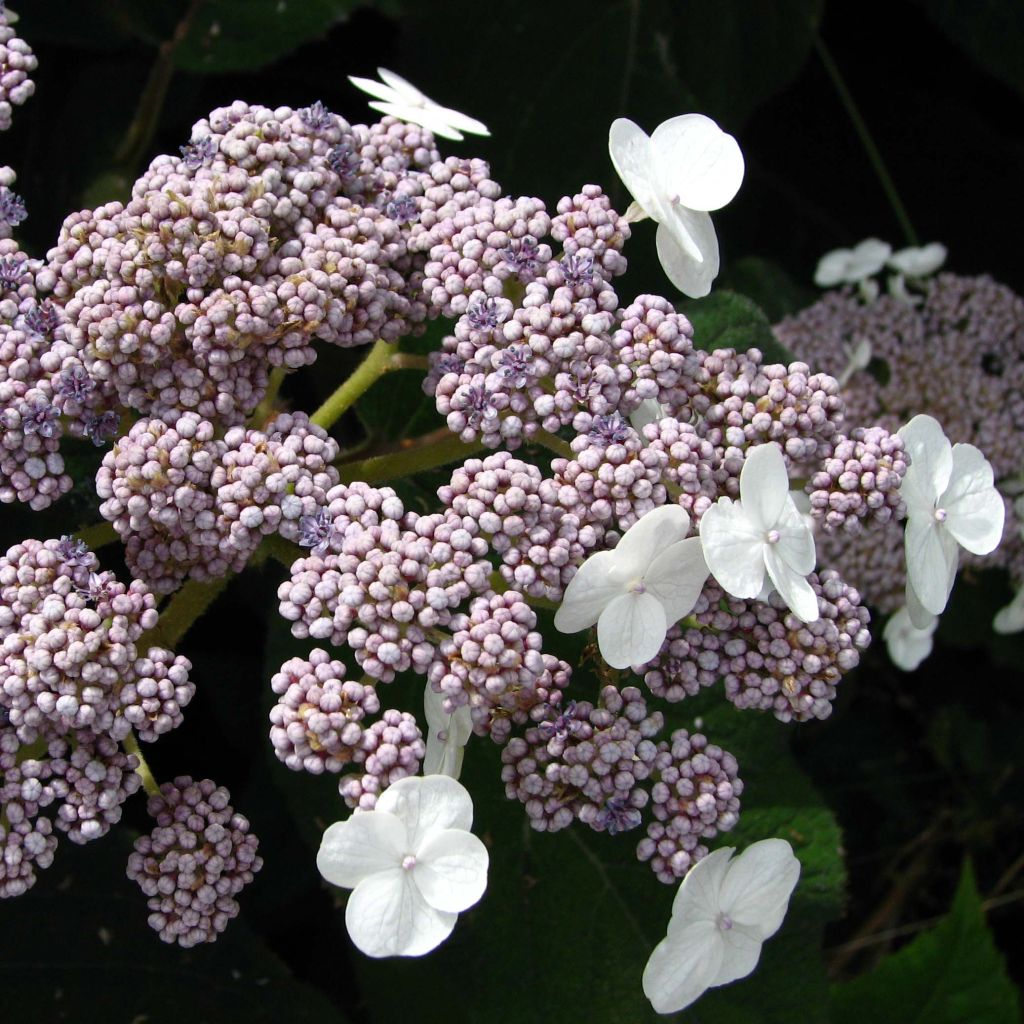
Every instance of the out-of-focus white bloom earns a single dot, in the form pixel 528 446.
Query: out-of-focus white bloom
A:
pixel 648 411
pixel 447 735
pixel 918 261
pixel 907 645
pixel 1011 618
pixel 412 863
pixel 851 266
pixel 951 503
pixel 686 168
pixel 399 98
pixel 858 356
pixel 723 912
pixel 763 532
pixel 634 593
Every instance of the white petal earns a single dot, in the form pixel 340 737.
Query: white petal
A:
pixel 677 577
pixel 463 122
pixel 360 846
pixel 907 645
pixel 932 557
pixel 589 592
pixel 427 117
pixel 795 545
pixel 451 870
pixel 650 534
pixel 919 262
pixel 733 548
pixel 831 269
pixel 648 411
pixel 427 803
pixel 698 165
pixel 387 916
pixel 377 89
pixel 974 508
pixel 793 587
pixel 632 157
pixel 741 951
pixel 444 757
pixel 688 250
pixel 699 895
pixel 405 91
pixel 682 967
pixel 931 463
pixel 758 885
pixel 764 484
pixel 867 259
pixel 631 630
pixel 1011 618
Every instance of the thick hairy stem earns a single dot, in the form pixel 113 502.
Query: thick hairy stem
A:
pixel 553 443
pixel 178 615
pixel 374 366
pixel 265 409
pixel 438 448
pixel 149 784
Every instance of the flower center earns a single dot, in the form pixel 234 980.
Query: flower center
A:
pixel 636 587
pixel 772 536
pixel 724 922
pixel 409 862
pixel 940 515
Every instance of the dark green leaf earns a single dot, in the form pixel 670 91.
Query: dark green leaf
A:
pixel 769 285
pixel 951 974
pixel 726 319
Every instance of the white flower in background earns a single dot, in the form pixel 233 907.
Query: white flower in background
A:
pixel 686 168
pixel 447 735
pixel 907 645
pixel 858 358
pixel 634 593
pixel 648 411
pixel 852 266
pixel 1011 618
pixel 723 912
pixel 763 532
pixel 918 262
pixel 951 503
pixel 412 863
pixel 399 98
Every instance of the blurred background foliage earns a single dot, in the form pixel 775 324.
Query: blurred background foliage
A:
pixel 905 807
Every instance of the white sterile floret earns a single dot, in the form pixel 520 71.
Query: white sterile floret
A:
pixel 919 261
pixel 412 863
pixel 447 735
pixel 851 266
pixel 399 98
pixel 1010 619
pixel 907 645
pixel 686 168
pixel 648 411
pixel 762 533
pixel 951 503
pixel 634 593
pixel 723 912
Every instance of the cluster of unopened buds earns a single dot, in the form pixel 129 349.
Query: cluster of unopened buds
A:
pixel 683 516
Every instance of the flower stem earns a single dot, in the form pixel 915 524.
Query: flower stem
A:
pixel 438 448
pixel 374 366
pixel 149 784
pixel 97 536
pixel 262 412
pixel 187 605
pixel 861 128
pixel 553 443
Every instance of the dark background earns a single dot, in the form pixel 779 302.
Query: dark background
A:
pixel 921 770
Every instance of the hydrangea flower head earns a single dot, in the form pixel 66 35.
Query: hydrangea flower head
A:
pixel 763 532
pixel 399 98
pixel 686 168
pixel 723 912
pixel 634 593
pixel 951 503
pixel 412 863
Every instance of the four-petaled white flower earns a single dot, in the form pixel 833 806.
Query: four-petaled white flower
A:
pixel 412 863
pixel 401 99
pixel 920 261
pixel 634 593
pixel 686 168
pixel 851 266
pixel 907 645
pixel 951 503
pixel 762 532
pixel 723 912
pixel 447 735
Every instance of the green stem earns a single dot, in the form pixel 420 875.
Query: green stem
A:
pixel 149 784
pixel 276 547
pixel 412 459
pixel 861 128
pixel 262 412
pixel 97 536
pixel 375 365
pixel 182 610
pixel 553 443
